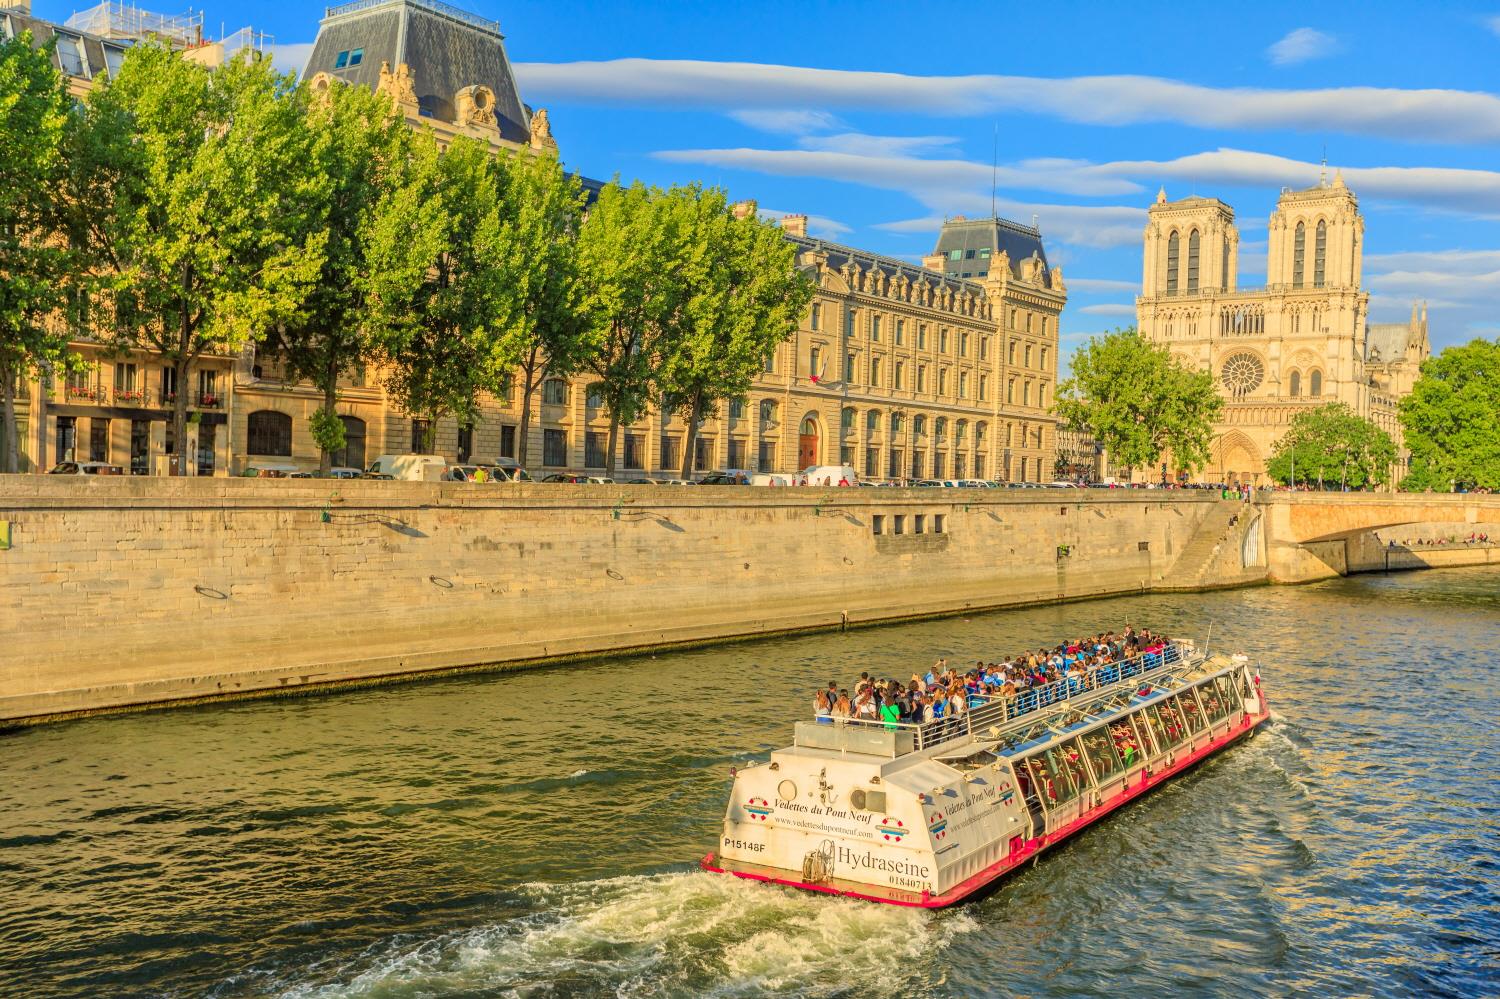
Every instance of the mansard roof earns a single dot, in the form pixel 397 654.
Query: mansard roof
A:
pixel 839 255
pixel 1020 242
pixel 446 49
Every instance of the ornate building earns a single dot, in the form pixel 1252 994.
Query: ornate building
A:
pixel 940 371
pixel 1303 340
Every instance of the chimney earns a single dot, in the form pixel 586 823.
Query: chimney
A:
pixel 794 225
pixel 934 262
pixel 744 209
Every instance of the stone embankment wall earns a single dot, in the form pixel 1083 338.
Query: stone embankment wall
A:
pixel 134 591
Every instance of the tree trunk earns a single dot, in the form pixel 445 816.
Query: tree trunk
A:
pixel 528 388
pixel 330 400
pixel 690 439
pixel 614 436
pixel 179 415
pixel 11 460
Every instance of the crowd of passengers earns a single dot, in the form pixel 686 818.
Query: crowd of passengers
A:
pixel 944 694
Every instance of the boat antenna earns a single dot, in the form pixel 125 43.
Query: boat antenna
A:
pixel 1207 638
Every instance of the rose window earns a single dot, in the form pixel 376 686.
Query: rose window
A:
pixel 1242 373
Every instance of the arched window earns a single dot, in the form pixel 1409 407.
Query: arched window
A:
pixel 940 429
pixel 767 412
pixel 1295 384
pixel 1315 383
pixel 897 423
pixel 809 427
pixel 1192 275
pixel 872 422
pixel 919 425
pixel 1320 254
pixel 960 431
pixel 1224 266
pixel 352 454
pixel 979 431
pixel 1299 255
pixel 848 421
pixel 1173 248
pixel 269 432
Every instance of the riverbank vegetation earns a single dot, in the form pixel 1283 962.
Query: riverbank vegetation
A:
pixel 1451 420
pixel 190 211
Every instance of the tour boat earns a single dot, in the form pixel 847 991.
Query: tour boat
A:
pixel 936 814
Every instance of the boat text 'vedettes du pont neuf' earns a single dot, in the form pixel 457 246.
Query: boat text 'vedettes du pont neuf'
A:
pixel 932 814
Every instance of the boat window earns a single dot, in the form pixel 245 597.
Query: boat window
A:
pixel 1173 728
pixel 1066 761
pixel 1100 747
pixel 1191 711
pixel 1213 701
pixel 1230 691
pixel 1052 782
pixel 1144 740
pixel 1026 783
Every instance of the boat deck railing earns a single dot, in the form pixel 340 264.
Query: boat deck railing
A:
pixel 985 711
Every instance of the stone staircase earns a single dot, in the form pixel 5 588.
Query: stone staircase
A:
pixel 1211 557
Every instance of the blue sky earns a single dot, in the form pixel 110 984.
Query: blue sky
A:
pixel 880 119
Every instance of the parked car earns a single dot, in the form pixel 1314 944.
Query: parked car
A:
pixel 579 479
pixel 412 467
pixel 343 473
pixel 512 470
pixel 732 477
pixel 470 473
pixel 85 468
pixel 270 471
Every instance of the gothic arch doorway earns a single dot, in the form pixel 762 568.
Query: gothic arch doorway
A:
pixel 807 443
pixel 1239 459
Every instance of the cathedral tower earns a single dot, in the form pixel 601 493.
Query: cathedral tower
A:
pixel 1191 246
pixel 1316 238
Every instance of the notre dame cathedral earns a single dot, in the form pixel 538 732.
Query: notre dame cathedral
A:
pixel 1302 341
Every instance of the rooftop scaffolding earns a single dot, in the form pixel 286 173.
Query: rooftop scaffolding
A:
pixel 127 22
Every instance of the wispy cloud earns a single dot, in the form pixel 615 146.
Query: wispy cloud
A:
pixel 1447 261
pixel 1302 45
pixel 1107 310
pixel 861 144
pixel 798 122
pixel 290 57
pixel 817 225
pixel 1411 115
pixel 1100 284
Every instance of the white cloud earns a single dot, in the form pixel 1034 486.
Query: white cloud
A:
pixel 788 122
pixel 1421 115
pixel 1444 261
pixel 1100 284
pixel 291 57
pixel 1302 45
pixel 1106 310
pixel 820 226
pixel 860 144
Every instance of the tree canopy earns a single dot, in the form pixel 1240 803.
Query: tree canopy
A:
pixel 1451 420
pixel 1333 445
pixel 37 262
pixel 1140 402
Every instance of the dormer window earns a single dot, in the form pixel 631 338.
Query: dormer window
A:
pixel 113 59
pixel 70 55
pixel 349 58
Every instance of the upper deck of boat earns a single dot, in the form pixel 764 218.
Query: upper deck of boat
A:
pixel 1008 726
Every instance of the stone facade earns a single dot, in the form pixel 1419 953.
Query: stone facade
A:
pixel 1302 341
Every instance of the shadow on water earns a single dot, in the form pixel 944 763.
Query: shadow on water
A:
pixel 535 833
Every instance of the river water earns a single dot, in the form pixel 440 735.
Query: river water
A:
pixel 535 834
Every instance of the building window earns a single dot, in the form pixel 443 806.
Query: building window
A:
pixel 877 524
pixel 465 443
pixel 113 59
pixel 815 320
pixel 898 423
pixel 846 421
pixel 1299 254
pixel 922 336
pixel 984 387
pixel 1044 358
pixel 70 55
pixel 206 433
pixel 1010 391
pixel 984 348
pixel 849 368
pixel 1295 384
pixel 963 384
pixel 874 372
pixel 815 363
pixel 737 408
pixel 269 432
pixel 1173 248
pixel 766 456
pixel 703 453
pixel 1315 383
pixel 1011 355
pixel 507 442
pixel 1192 270
pixel 771 363
pixel 921 378
pixel 940 429
pixel 767 413
pixel 919 521
pixel 939 523
pixel 1320 254
pixel 846 454
pixel 893 464
pixel 1028 356
pixel 872 422
pixel 671 451
pixel 554 448
pixel 943 340
pixel 963 343
pixel 737 453
pixel 1026 394
pixel 874 329
pixel 872 462
pixel 900 521
pixel 900 332
pixel 351 455
pixel 919 425
pixel 593 449
pixel 942 381
pixel 849 322
pixel 939 464
pixel 635 451
pixel 98 439
pixel 420 431
pixel 67 438
pixel 555 392
pixel 208 389
pixel 899 380
pixel 594 399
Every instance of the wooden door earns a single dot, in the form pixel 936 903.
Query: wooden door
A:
pixel 807 451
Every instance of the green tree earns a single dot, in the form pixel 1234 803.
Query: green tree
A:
pixel 1451 420
pixel 631 257
pixel 195 187
pixel 1332 443
pixel 362 150
pixel 1139 401
pixel 37 263
pixel 544 327
pixel 438 282
pixel 743 295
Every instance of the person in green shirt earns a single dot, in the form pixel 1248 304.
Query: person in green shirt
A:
pixel 891 714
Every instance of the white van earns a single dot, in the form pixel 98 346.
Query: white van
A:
pixel 413 467
pixel 829 475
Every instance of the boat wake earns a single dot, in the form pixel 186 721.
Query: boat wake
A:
pixel 663 935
